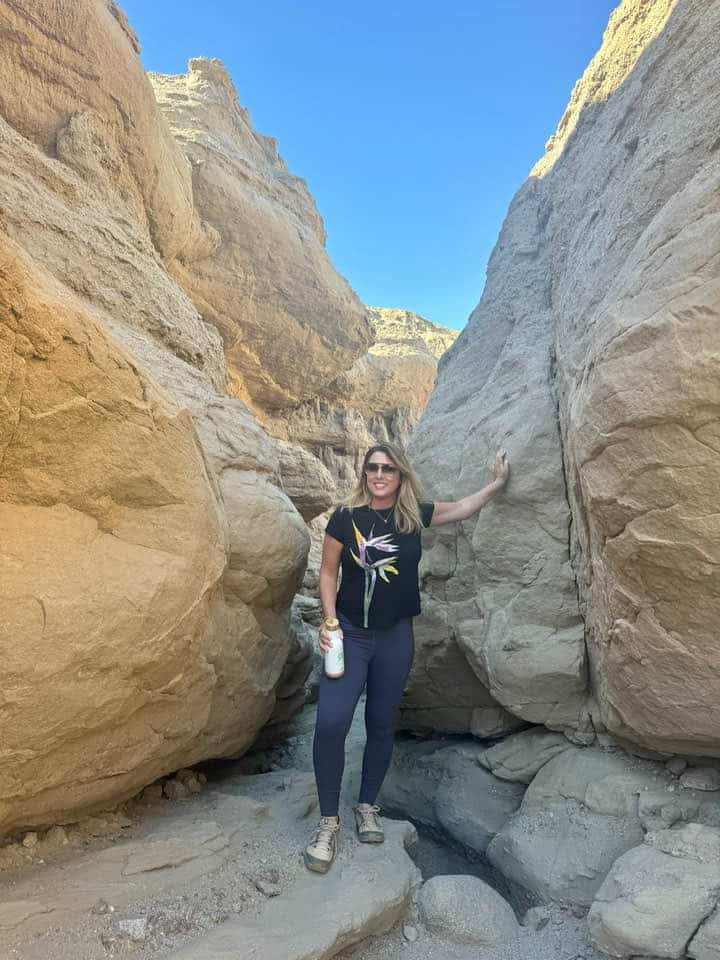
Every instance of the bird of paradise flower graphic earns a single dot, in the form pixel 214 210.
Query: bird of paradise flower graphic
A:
pixel 382 567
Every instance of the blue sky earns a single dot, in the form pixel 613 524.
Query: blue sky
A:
pixel 413 122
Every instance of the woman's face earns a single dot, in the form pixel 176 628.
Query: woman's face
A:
pixel 382 475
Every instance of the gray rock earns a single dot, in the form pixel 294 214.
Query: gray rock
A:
pixel 466 910
pixel 536 918
pixel 574 359
pixel 520 756
pixel 135 928
pixel 443 786
pixel 676 765
pixel 488 722
pixel 368 894
pixel 175 790
pixel 701 778
pixel 656 895
pixel 578 816
pixel 705 945
pixel 152 793
pixel 410 932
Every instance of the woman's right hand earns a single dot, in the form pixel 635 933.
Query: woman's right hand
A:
pixel 325 642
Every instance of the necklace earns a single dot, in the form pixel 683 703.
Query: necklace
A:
pixel 377 513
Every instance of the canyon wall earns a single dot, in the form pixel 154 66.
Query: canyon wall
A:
pixel 585 596
pixel 149 552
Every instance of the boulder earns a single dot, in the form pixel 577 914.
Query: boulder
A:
pixel 521 756
pixel 657 895
pixel 112 555
pixel 464 909
pixel 444 787
pixel 578 815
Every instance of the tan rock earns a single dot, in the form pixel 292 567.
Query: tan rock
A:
pixel 402 333
pixel 270 288
pixel 149 556
pixel 112 550
pixel 72 83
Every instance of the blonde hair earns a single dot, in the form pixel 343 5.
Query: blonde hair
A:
pixel 409 495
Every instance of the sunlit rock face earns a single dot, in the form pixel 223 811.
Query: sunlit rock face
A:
pixel 290 323
pixel 593 358
pixel 379 398
pixel 150 545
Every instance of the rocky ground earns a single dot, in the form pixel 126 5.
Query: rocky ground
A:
pixel 200 871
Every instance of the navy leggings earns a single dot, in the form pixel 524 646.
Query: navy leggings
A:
pixel 380 661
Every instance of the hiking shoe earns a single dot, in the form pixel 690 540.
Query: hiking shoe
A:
pixel 320 852
pixel 369 828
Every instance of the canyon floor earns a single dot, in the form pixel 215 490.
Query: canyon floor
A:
pixel 219 874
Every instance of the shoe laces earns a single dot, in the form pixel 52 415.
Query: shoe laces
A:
pixel 325 836
pixel 369 813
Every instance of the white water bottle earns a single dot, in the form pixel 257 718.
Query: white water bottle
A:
pixel 335 657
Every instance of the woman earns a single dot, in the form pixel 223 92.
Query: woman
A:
pixel 376 538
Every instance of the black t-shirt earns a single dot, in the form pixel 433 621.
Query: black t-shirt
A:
pixel 379 566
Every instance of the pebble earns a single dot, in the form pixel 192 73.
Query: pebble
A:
pixel 410 932
pixel 57 836
pixel 175 790
pixel 676 766
pixel 102 907
pixel 268 888
pixel 30 840
pixel 135 928
pixel 152 793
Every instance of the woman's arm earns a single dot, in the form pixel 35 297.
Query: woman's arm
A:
pixel 329 568
pixel 470 505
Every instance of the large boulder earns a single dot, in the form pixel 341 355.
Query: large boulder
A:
pixel 656 896
pixel 579 814
pixel 592 357
pixel 111 556
pixel 149 553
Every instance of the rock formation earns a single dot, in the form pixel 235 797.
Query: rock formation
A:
pixel 149 553
pixel 270 288
pixel 586 597
pixel 379 398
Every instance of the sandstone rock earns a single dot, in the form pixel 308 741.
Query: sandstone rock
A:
pixel 466 910
pixel 656 896
pixel 306 481
pixel 379 398
pixel 522 755
pixel 443 787
pixel 599 314
pixel 134 163
pixel 269 288
pixel 122 455
pixel 578 815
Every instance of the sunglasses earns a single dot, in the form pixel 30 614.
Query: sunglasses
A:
pixel 388 468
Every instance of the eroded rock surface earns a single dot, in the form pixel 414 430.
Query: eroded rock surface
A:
pixel 149 551
pixel 656 896
pixel 289 322
pixel 600 313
